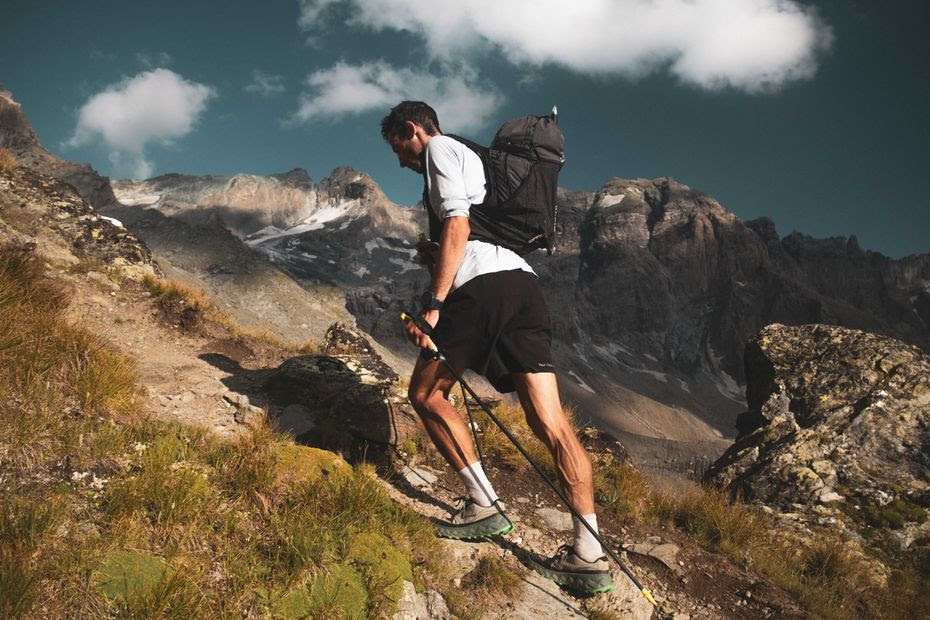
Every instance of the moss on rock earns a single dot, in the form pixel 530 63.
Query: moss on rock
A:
pixel 128 574
pixel 337 592
pixel 298 463
pixel 385 568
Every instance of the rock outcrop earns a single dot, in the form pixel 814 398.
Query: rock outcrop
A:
pixel 345 390
pixel 837 433
pixel 18 136
pixel 39 210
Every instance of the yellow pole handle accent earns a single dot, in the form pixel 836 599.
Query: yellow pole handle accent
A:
pixel 429 341
pixel 649 598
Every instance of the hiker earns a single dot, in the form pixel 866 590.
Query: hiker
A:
pixel 488 314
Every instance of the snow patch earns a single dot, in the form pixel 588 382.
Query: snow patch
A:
pixel 320 217
pixel 138 200
pixel 660 376
pixel 380 242
pixel 361 271
pixel 725 384
pixel 580 352
pixel 611 350
pixel 315 221
pixel 610 200
pixel 113 221
pixel 580 382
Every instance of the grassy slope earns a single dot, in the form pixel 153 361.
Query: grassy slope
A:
pixel 106 514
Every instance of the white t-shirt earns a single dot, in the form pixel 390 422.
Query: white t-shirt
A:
pixel 455 181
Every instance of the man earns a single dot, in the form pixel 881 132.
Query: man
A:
pixel 488 313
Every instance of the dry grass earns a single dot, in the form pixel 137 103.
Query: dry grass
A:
pixel 490 580
pixel 190 306
pixel 210 527
pixel 7 160
pixel 513 418
pixel 621 486
pixel 825 575
pixel 713 519
pixel 46 364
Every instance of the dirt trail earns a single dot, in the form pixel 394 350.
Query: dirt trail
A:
pixel 187 377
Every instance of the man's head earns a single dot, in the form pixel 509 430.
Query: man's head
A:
pixel 407 128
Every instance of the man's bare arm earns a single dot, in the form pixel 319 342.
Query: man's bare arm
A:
pixel 452 242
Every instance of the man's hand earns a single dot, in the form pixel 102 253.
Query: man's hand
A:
pixel 416 336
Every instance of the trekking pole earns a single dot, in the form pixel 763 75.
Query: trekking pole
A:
pixel 438 354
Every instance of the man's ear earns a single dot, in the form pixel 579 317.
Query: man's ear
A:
pixel 411 129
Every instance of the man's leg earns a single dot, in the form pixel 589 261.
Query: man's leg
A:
pixel 429 388
pixel 539 396
pixel 428 393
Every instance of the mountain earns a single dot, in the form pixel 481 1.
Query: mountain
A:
pixel 654 286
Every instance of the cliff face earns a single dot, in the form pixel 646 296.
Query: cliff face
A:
pixel 668 269
pixel 837 433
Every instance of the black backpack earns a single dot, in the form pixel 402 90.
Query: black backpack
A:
pixel 521 168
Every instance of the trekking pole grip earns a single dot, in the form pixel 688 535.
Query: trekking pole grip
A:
pixel 420 323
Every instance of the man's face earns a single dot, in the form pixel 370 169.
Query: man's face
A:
pixel 409 150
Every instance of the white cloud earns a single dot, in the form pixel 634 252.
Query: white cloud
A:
pixel 155 106
pixel 352 89
pixel 265 84
pixel 752 45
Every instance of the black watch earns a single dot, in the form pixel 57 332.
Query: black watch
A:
pixel 429 301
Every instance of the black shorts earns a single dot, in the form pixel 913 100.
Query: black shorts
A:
pixel 497 324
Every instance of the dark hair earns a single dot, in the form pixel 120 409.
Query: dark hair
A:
pixel 414 111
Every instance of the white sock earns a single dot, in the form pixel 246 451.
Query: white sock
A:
pixel 586 546
pixel 478 485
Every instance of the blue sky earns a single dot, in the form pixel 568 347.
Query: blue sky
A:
pixel 812 113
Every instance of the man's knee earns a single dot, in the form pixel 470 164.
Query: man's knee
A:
pixel 424 391
pixel 417 396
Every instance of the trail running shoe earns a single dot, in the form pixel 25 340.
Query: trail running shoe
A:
pixel 472 521
pixel 568 570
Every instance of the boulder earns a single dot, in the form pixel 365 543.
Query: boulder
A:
pixel 347 387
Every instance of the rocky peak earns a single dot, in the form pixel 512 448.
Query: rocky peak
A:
pixel 345 183
pixel 17 135
pixel 298 177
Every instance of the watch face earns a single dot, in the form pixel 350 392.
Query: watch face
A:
pixel 429 301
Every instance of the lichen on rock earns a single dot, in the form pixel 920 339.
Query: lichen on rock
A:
pixel 350 388
pixel 837 431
